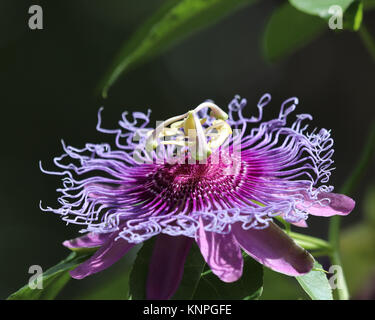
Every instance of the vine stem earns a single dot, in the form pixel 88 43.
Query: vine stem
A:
pixel 348 188
pixel 367 40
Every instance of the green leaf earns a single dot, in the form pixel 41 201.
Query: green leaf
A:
pixel 54 279
pixel 278 286
pixel 139 272
pixel 352 10
pixel 248 287
pixel 174 21
pixel 320 7
pixel 193 269
pixel 315 284
pixel 289 30
pixel 353 16
pixel 112 283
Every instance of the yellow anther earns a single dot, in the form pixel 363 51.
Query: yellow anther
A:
pixel 152 142
pixel 223 131
pixel 177 124
pixel 219 114
pixel 216 112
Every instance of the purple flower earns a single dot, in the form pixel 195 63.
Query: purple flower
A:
pixel 203 177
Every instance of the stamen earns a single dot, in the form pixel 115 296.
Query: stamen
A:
pixel 200 141
pixel 223 132
pixel 216 112
pixel 152 143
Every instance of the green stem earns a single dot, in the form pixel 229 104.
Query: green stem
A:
pixel 348 188
pixel 305 241
pixel 315 243
pixel 342 287
pixel 367 40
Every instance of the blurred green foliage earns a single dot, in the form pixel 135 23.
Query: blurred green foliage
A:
pixel 291 26
pixel 282 39
pixel 173 22
pixel 357 247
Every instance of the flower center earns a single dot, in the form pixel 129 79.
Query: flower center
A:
pixel 198 182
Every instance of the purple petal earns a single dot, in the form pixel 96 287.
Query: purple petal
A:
pixel 337 204
pixel 302 223
pixel 222 253
pixel 109 253
pixel 89 240
pixel 274 248
pixel 167 266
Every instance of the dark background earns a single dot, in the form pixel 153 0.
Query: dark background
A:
pixel 48 80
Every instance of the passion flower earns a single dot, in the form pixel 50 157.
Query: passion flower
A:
pixel 206 176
